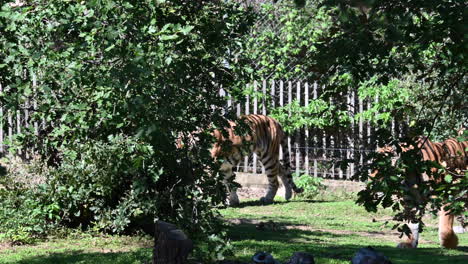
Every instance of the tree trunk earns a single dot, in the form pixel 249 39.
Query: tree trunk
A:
pixel 171 245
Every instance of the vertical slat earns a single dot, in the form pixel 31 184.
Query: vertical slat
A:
pixel 296 143
pixel 18 127
pixel 247 108
pixel 332 148
pixel 306 158
pixel 351 137
pixel 10 126
pixel 324 154
pixel 315 136
pixel 36 124
pixel 281 103
pixel 361 133
pixel 2 149
pixel 289 114
pixel 26 123
pixel 264 96
pixel 368 128
pixel 255 111
pixel 272 93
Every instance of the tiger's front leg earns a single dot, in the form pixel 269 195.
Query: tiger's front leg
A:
pixel 226 169
pixel 413 239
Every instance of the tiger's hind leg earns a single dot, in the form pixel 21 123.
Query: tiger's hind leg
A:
pixel 447 237
pixel 287 179
pixel 226 169
pixel 286 183
pixel 272 168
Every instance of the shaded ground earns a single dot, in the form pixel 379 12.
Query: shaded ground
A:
pixel 333 231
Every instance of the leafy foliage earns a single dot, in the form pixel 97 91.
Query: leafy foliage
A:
pixel 411 56
pixel 312 186
pixel 116 84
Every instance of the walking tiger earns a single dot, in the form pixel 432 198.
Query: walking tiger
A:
pixel 450 154
pixel 265 138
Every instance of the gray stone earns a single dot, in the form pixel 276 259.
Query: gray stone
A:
pixel 369 255
pixel 301 258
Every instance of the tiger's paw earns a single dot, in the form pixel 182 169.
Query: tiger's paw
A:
pixel 405 245
pixel 299 190
pixel 449 240
pixel 233 201
pixel 265 200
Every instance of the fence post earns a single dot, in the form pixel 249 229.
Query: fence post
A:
pixel 296 143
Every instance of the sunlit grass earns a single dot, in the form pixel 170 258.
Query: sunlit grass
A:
pixel 333 231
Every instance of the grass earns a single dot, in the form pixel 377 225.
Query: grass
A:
pixel 331 230
pixel 81 249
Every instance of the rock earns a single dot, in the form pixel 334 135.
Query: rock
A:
pixel 264 258
pixel 301 258
pixel 369 255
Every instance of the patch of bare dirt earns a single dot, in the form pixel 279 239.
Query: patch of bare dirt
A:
pixel 5 246
pixel 250 193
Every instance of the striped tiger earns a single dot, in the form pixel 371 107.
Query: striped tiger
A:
pixel 451 154
pixel 265 139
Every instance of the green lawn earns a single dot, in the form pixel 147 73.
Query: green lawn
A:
pixel 331 230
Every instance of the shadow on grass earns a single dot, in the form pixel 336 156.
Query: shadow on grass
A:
pixel 327 246
pixel 259 203
pixel 78 256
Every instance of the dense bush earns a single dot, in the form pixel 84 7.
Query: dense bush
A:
pixel 117 83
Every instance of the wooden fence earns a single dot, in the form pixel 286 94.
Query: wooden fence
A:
pixel 313 151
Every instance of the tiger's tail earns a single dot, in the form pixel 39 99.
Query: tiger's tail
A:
pixel 287 166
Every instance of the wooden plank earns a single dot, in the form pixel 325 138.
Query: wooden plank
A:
pixel 272 94
pixel 353 131
pixel 18 126
pixel 264 92
pixel 281 104
pixel 306 158
pixel 361 133
pixel 26 123
pixel 324 146
pixel 314 95
pixel 255 111
pixel 296 143
pixel 247 111
pixel 34 81
pixel 2 149
pixel 10 126
pixel 289 113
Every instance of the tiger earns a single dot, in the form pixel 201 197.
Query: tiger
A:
pixel 452 155
pixel 265 138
